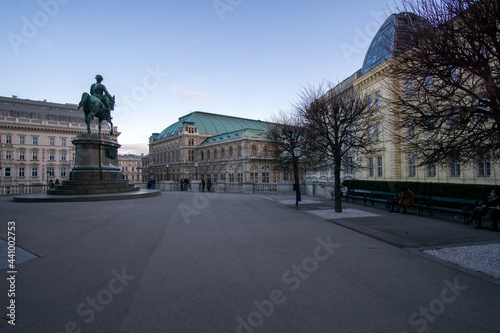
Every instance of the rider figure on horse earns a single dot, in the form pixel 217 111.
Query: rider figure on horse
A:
pixel 99 90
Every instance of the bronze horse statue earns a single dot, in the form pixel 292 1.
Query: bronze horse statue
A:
pixel 94 107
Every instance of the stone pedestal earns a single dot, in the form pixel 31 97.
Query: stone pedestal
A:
pixel 196 185
pixel 96 168
pixel 248 187
pixel 96 158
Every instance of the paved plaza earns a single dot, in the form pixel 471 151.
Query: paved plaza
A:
pixel 209 262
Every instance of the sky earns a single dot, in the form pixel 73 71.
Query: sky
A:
pixel 165 59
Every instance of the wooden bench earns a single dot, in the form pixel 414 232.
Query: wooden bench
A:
pixel 422 202
pixel 371 196
pixel 457 206
pixel 354 194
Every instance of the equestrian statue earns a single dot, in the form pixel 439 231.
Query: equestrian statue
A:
pixel 98 104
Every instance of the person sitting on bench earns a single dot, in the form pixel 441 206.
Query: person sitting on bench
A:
pixel 491 200
pixel 405 199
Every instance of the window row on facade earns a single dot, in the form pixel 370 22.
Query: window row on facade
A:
pixel 34 171
pixel 35 155
pixel 33 140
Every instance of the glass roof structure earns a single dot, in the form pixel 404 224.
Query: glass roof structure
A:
pixel 391 40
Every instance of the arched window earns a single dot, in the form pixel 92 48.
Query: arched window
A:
pixel 215 154
pixel 208 154
pixel 202 155
pixel 253 151
pixel 239 151
pixel 223 153
pixel 266 153
pixel 230 151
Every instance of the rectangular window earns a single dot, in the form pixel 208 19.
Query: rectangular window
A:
pixel 21 155
pixel 191 154
pixel 379 131
pixel 34 172
pixel 370 102
pixel 240 177
pixel 63 156
pixel 216 177
pixel 7 172
pixel 8 139
pixel 231 177
pixel 455 169
pixel 50 172
pixel 484 167
pixel 431 170
pixel 63 171
pixel 21 172
pixel 411 127
pixel 52 156
pixel 378 99
pixel 22 140
pixel 349 166
pixel 265 177
pixel 380 167
pixel 412 167
pixel 63 142
pixel 34 156
pixel 8 155
pixel 52 141
pixel 35 141
pixel 371 166
pixel 222 177
pixel 276 177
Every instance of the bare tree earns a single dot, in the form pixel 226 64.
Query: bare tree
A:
pixel 448 82
pixel 338 122
pixel 287 132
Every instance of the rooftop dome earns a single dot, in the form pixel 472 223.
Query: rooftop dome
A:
pixel 391 40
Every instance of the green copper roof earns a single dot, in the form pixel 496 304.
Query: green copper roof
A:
pixel 234 135
pixel 213 124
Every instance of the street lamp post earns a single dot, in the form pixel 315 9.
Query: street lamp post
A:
pixel 139 180
pixel 196 166
pixel 296 153
pixel 167 171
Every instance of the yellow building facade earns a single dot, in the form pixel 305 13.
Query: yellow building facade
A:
pixel 390 162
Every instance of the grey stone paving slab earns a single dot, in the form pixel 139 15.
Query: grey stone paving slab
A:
pixel 347 213
pixel 21 255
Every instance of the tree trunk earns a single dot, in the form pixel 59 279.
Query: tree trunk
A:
pixel 338 194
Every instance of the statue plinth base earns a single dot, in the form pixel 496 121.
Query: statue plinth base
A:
pixel 96 168
pixel 96 158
